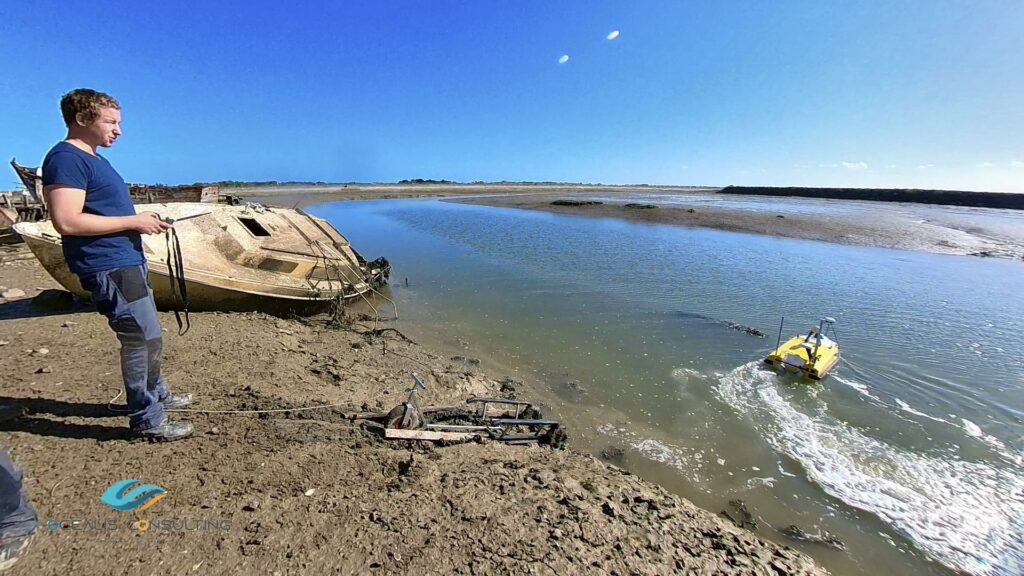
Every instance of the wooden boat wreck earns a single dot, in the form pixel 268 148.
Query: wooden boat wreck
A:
pixel 30 206
pixel 21 207
pixel 8 216
pixel 32 179
pixel 237 258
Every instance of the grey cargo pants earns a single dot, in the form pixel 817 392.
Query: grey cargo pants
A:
pixel 123 295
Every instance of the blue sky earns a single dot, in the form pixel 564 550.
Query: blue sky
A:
pixel 903 94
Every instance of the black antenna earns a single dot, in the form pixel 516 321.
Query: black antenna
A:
pixel 779 341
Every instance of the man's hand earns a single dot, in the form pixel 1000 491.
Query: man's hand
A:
pixel 67 204
pixel 149 223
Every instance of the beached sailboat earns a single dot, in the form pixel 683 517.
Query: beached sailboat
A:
pixel 812 354
pixel 236 258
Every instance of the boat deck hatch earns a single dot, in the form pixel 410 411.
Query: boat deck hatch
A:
pixel 275 265
pixel 254 226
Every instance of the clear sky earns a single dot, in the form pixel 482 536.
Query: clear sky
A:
pixel 903 94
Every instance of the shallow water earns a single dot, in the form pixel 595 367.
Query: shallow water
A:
pixel 911 453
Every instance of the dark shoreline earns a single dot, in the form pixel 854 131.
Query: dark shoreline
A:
pixel 1005 200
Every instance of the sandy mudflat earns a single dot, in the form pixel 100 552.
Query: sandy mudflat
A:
pixel 310 492
pixel 305 195
pixel 877 225
pixel 889 225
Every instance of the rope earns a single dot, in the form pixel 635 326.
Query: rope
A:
pixel 353 266
pixel 255 207
pixel 110 406
pixel 176 276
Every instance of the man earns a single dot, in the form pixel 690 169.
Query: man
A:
pixel 17 518
pixel 92 210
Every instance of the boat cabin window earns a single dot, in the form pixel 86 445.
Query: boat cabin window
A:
pixel 253 226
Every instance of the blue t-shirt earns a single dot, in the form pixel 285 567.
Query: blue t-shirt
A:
pixel 106 194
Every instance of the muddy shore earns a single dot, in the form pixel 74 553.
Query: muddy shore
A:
pixel 307 491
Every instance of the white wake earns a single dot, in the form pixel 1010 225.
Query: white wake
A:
pixel 967 515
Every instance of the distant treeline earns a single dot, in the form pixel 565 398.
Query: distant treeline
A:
pixel 238 184
pixel 951 197
pixel 425 181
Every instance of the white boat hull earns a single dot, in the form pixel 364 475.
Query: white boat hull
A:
pixel 228 268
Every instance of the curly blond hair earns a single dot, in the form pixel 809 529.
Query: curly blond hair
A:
pixel 86 102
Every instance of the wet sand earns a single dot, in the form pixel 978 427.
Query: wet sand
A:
pixel 878 227
pixel 307 491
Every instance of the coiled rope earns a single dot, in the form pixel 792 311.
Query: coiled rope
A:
pixel 176 276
